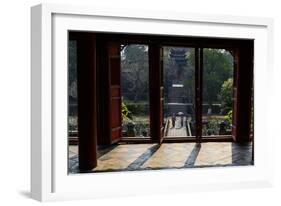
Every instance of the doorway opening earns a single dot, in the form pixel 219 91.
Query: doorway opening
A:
pixel 179 91
pixel 135 91
pixel 217 92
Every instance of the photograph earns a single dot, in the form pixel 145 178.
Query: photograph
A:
pixel 153 102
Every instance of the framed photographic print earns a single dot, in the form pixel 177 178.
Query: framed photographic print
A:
pixel 138 102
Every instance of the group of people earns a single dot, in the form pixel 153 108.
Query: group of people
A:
pixel 174 120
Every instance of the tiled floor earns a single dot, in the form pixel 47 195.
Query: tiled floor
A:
pixel 126 157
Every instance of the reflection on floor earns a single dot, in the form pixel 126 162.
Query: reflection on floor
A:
pixel 127 157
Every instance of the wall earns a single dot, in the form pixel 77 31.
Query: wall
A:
pixel 15 100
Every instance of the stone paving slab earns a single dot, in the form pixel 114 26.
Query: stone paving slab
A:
pixel 121 157
pixel 128 157
pixel 169 155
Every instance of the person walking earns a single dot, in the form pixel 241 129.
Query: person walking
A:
pixel 173 120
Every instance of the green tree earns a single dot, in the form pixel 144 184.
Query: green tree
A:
pixel 218 67
pixel 126 114
pixel 228 117
pixel 72 67
pixel 226 96
pixel 134 61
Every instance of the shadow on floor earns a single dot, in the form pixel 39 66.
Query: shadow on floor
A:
pixel 241 155
pixel 193 156
pixel 143 158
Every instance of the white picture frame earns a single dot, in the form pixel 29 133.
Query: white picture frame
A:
pixel 49 176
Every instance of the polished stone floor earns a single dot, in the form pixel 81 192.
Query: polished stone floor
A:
pixel 128 157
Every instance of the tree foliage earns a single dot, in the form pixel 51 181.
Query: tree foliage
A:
pixel 134 62
pixel 126 114
pixel 225 95
pixel 72 70
pixel 218 66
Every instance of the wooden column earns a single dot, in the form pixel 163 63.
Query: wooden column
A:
pixel 198 91
pixel 243 82
pixel 86 82
pixel 156 90
pixel 102 91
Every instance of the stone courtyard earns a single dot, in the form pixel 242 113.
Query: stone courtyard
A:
pixel 131 157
